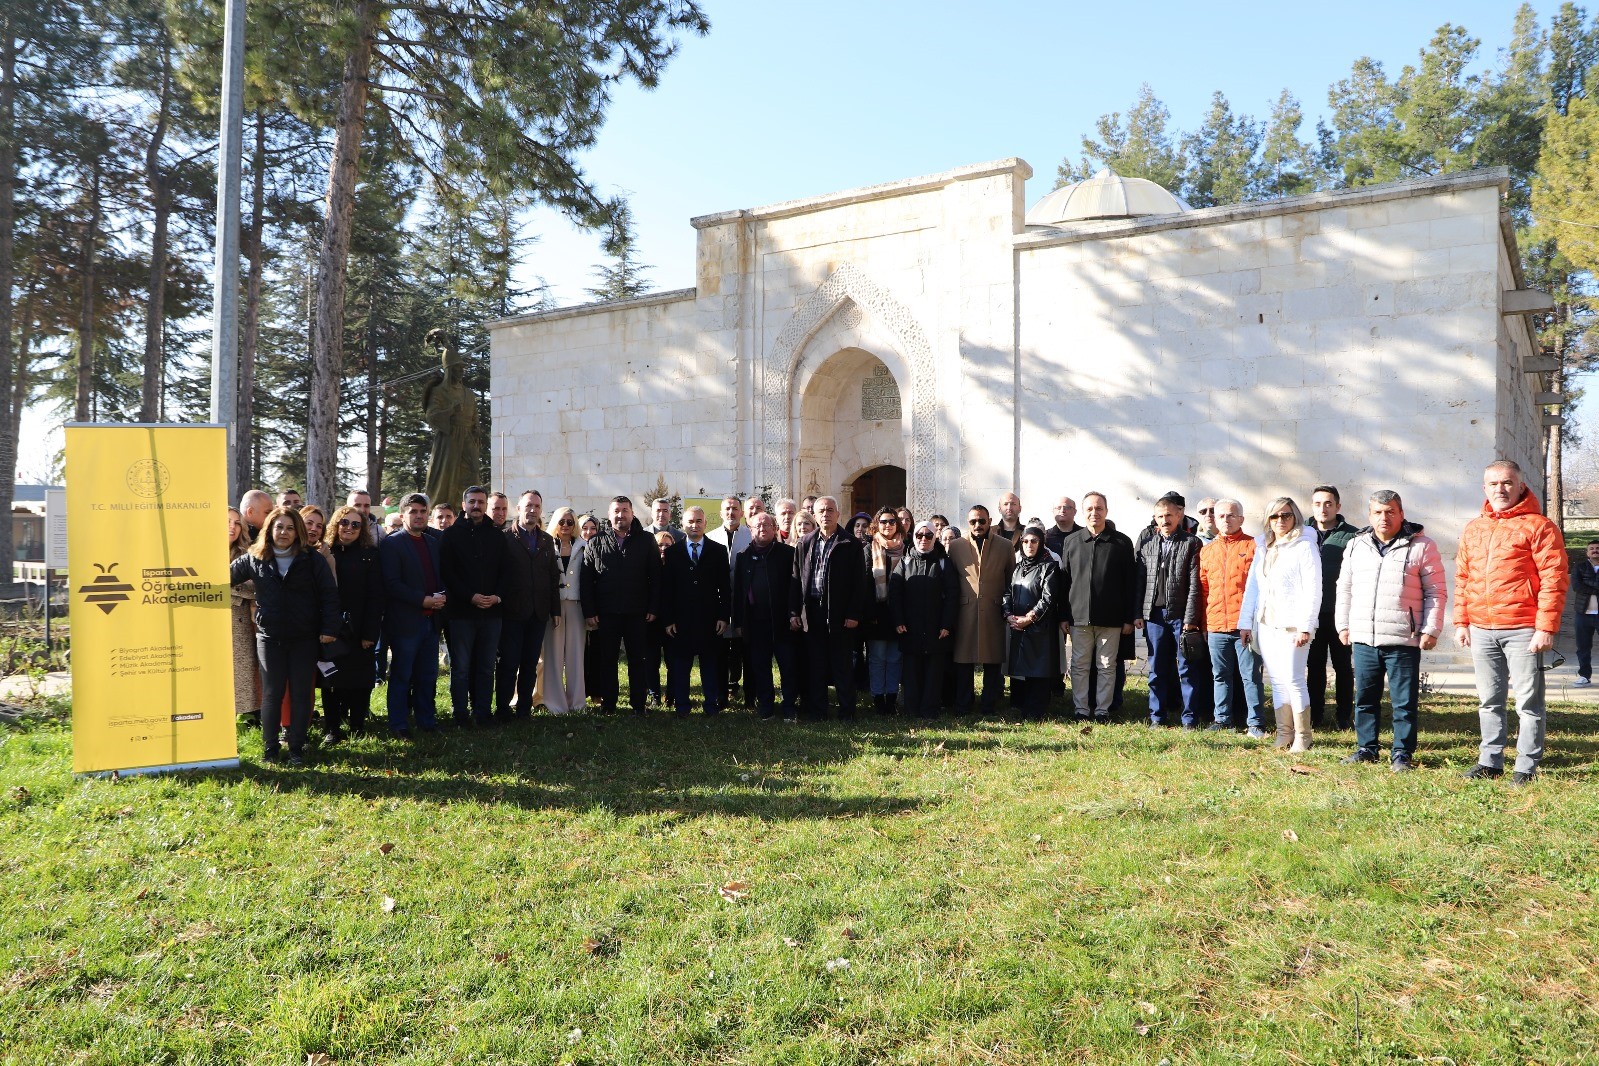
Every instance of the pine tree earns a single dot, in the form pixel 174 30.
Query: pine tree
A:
pixel 1142 148
pixel 1222 164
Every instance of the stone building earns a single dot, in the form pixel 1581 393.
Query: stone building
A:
pixel 934 342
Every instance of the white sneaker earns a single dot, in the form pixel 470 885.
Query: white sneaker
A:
pixel 1580 682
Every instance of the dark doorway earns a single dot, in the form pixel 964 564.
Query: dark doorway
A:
pixel 881 486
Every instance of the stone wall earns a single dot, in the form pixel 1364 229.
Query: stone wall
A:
pixel 592 402
pixel 1352 339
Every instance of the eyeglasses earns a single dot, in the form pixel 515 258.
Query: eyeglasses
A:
pixel 977 521
pixel 350 523
pixel 564 522
pixel 1281 516
pixel 926 536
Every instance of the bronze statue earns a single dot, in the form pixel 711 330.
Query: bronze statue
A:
pixel 451 412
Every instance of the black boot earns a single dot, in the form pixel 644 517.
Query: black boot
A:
pixel 891 704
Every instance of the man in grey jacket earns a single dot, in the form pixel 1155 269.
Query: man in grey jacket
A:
pixel 1390 607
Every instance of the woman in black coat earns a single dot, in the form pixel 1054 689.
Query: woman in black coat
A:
pixel 1029 606
pixel 296 607
pixel 924 599
pixel 347 692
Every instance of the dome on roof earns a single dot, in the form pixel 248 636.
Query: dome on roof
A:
pixel 1105 195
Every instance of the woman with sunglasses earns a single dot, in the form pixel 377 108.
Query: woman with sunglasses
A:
pixel 1282 601
pixel 924 596
pixel 884 550
pixel 347 692
pixel 565 643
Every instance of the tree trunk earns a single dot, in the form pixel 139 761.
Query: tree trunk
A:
pixel 1555 490
pixel 374 471
pixel 245 410
pixel 327 340
pixel 8 223
pixel 83 410
pixel 161 208
pixel 24 351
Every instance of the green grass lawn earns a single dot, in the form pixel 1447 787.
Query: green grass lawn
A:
pixel 609 890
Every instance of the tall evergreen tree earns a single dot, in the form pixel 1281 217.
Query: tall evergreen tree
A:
pixel 1142 147
pixel 1222 164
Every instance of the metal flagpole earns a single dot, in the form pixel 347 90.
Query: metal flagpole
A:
pixel 225 295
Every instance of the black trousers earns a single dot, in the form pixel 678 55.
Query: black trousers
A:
pixel 922 673
pixel 521 644
pixel 831 658
pixel 616 632
pixel 684 648
pixel 966 691
pixel 286 666
pixel 656 656
pixel 346 705
pixel 1030 695
pixel 768 645
pixel 733 662
pixel 1326 643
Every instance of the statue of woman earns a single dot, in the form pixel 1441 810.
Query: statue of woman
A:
pixel 451 412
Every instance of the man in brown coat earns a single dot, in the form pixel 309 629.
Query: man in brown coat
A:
pixel 984 562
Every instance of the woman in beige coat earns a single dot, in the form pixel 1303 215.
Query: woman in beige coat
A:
pixel 984 562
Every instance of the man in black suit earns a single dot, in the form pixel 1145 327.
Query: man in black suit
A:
pixel 531 602
pixel 695 609
pixel 416 601
pixel 761 577
pixel 620 591
pixel 827 600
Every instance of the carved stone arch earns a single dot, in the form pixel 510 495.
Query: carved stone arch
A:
pixel 848 286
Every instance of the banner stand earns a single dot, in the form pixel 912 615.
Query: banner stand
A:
pixel 151 611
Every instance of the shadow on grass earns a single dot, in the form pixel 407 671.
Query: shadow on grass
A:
pixel 732 765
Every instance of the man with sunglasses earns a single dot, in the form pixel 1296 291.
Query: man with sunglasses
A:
pixel 1209 528
pixel 984 563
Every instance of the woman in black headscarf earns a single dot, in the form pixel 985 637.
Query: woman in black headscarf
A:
pixel 924 601
pixel 1029 606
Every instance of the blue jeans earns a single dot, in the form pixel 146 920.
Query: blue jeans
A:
pixel 474 645
pixel 413 678
pixel 1402 664
pixel 1586 624
pixel 1503 666
pixel 1236 673
pixel 884 663
pixel 1171 674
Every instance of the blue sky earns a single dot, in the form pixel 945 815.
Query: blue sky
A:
pixel 790 100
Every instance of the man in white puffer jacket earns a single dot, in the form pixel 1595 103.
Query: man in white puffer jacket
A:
pixel 1391 597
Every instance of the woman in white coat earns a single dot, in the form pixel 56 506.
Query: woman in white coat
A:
pixel 1282 601
pixel 564 644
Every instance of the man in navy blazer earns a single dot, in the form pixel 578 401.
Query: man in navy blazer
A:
pixel 695 607
pixel 413 577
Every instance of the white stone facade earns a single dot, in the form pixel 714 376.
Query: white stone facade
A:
pixel 1355 338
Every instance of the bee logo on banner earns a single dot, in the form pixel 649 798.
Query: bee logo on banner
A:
pixel 152 658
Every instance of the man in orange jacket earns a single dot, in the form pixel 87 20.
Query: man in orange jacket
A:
pixel 1510 590
pixel 1235 669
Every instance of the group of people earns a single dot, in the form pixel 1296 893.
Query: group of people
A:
pixel 790 609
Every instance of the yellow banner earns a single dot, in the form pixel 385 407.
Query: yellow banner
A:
pixel 152 649
pixel 712 507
